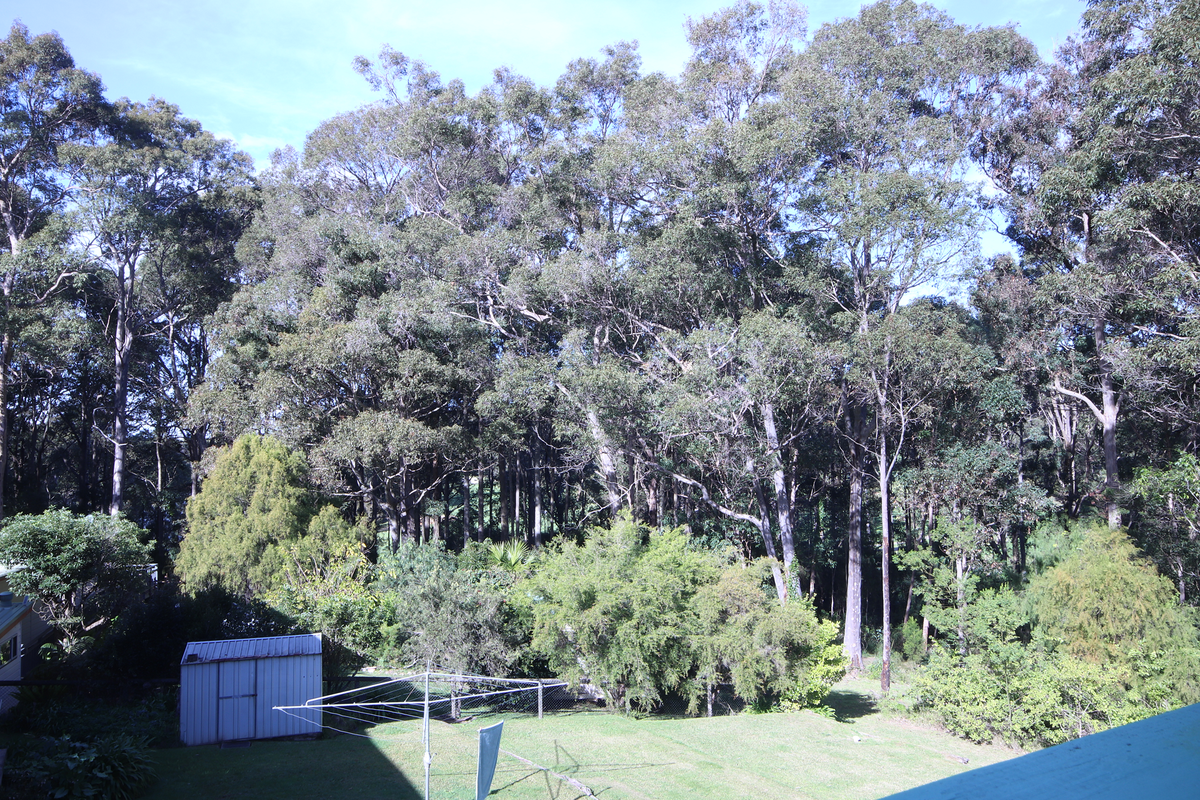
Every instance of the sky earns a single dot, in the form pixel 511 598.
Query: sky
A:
pixel 266 72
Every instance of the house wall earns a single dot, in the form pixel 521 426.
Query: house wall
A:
pixel 12 670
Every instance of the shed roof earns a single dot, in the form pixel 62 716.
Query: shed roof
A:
pixel 306 644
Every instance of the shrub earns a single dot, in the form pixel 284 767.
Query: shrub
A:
pixel 1023 695
pixel 80 569
pixel 775 656
pixel 909 641
pixel 617 610
pixel 109 768
pixel 45 711
pixel 439 613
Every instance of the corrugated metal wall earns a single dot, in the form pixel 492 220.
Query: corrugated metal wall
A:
pixel 231 700
pixel 198 703
pixel 287 681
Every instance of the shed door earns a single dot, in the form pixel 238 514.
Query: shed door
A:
pixel 236 691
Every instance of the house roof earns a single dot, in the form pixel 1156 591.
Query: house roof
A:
pixel 11 615
pixel 241 649
pixel 1156 757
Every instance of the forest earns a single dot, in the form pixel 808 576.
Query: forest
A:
pixel 665 383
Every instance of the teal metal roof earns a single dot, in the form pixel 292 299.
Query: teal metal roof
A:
pixel 1157 757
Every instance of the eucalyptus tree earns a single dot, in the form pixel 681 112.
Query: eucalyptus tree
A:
pixel 891 96
pixel 911 364
pixel 147 188
pixel 45 102
pixel 348 344
pixel 1096 160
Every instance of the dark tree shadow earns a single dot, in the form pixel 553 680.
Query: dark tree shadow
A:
pixel 848 705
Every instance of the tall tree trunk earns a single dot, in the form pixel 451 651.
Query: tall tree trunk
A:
pixel 885 481
pixel 6 351
pixel 536 499
pixel 818 538
pixel 1109 409
pixel 960 583
pixel 480 497
pixel 465 483
pixel 764 529
pixel 782 501
pixel 122 351
pixel 395 524
pixel 852 640
pixel 515 479
pixel 608 464
pixel 505 531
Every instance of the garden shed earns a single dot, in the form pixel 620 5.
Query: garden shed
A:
pixel 228 689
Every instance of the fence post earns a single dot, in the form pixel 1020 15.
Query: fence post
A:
pixel 539 699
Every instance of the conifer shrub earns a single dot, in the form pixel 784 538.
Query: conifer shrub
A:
pixel 1097 639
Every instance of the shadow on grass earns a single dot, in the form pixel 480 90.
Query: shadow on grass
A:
pixel 340 766
pixel 848 705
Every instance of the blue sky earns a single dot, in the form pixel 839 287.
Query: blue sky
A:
pixel 265 73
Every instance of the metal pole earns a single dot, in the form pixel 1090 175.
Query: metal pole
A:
pixel 425 735
pixel 539 699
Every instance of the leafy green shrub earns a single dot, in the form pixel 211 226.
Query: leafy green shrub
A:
pixel 825 665
pixel 439 613
pixel 154 718
pixel 80 569
pixel 617 610
pixel 1103 599
pixel 1022 695
pixel 109 768
pixel 908 640
pixel 252 505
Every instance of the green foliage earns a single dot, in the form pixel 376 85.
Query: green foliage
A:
pixel 1096 640
pixel 824 665
pixel 109 768
pixel 1023 695
pixel 57 711
pixel 1103 599
pixel 147 639
pixel 443 616
pixel 769 652
pixel 80 568
pixel 326 590
pixel 1169 528
pixel 512 555
pixel 617 610
pixel 252 505
pixel 909 641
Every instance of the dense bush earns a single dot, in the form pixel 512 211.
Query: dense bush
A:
pixel 617 610
pixel 642 613
pixel 252 506
pixel 80 569
pixel 1096 640
pixel 772 654
pixel 448 612
pixel 108 768
pixel 1022 695
pixel 56 711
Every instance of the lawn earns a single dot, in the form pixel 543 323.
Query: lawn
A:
pixel 868 754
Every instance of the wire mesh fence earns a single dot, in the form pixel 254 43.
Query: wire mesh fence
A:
pixel 433 718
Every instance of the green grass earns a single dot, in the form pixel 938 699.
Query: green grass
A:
pixel 868 755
